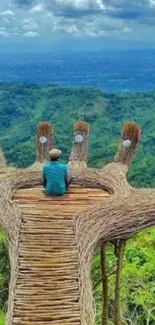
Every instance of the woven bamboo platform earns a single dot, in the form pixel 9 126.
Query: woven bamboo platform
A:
pixel 47 285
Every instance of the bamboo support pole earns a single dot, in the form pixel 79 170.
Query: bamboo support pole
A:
pixel 117 306
pixel 104 285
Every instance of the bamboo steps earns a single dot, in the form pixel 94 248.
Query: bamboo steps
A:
pixel 47 289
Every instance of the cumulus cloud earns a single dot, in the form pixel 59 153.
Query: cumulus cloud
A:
pixel 118 16
pixel 4 32
pixel 129 10
pixel 65 27
pixel 89 27
pixel 31 34
pixel 120 9
pixel 29 24
pixel 37 8
pixel 127 30
pixel 152 3
pixel 70 8
pixel 7 13
pixel 79 17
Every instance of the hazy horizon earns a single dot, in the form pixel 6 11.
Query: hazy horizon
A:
pixel 48 25
pixel 110 71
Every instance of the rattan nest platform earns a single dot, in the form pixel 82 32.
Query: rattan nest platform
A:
pixel 52 240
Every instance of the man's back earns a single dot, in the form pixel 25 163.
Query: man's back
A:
pixel 55 174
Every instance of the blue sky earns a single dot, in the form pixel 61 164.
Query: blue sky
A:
pixel 62 24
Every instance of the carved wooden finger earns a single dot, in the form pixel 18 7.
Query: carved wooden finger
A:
pixel 130 140
pixel 79 151
pixel 44 141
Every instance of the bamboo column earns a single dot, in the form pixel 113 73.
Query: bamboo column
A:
pixel 117 306
pixel 105 288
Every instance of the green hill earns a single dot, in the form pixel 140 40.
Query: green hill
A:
pixel 22 106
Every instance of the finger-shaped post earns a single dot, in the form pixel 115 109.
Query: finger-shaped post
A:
pixel 130 140
pixel 44 141
pixel 79 152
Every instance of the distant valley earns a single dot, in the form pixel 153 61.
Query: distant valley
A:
pixel 106 70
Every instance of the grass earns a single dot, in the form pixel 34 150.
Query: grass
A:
pixel 1 318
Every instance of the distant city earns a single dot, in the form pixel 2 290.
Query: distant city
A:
pixel 108 71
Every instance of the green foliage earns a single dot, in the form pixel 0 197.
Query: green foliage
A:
pixel 4 271
pixel 1 318
pixel 138 280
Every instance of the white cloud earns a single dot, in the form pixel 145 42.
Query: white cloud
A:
pixel 37 9
pixel 72 29
pixel 92 18
pixel 29 24
pixel 75 8
pixel 31 34
pixel 4 32
pixel 7 13
pixel 6 20
pixel 67 28
pixel 127 30
pixel 2 28
pixel 152 3
pixel 90 26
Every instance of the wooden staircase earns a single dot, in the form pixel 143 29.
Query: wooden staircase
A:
pixel 47 289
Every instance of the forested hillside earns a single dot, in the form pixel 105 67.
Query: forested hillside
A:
pixel 22 106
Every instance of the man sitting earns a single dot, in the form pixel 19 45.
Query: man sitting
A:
pixel 55 175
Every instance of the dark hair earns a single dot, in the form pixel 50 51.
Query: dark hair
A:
pixel 55 159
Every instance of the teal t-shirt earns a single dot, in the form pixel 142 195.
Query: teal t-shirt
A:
pixel 55 173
